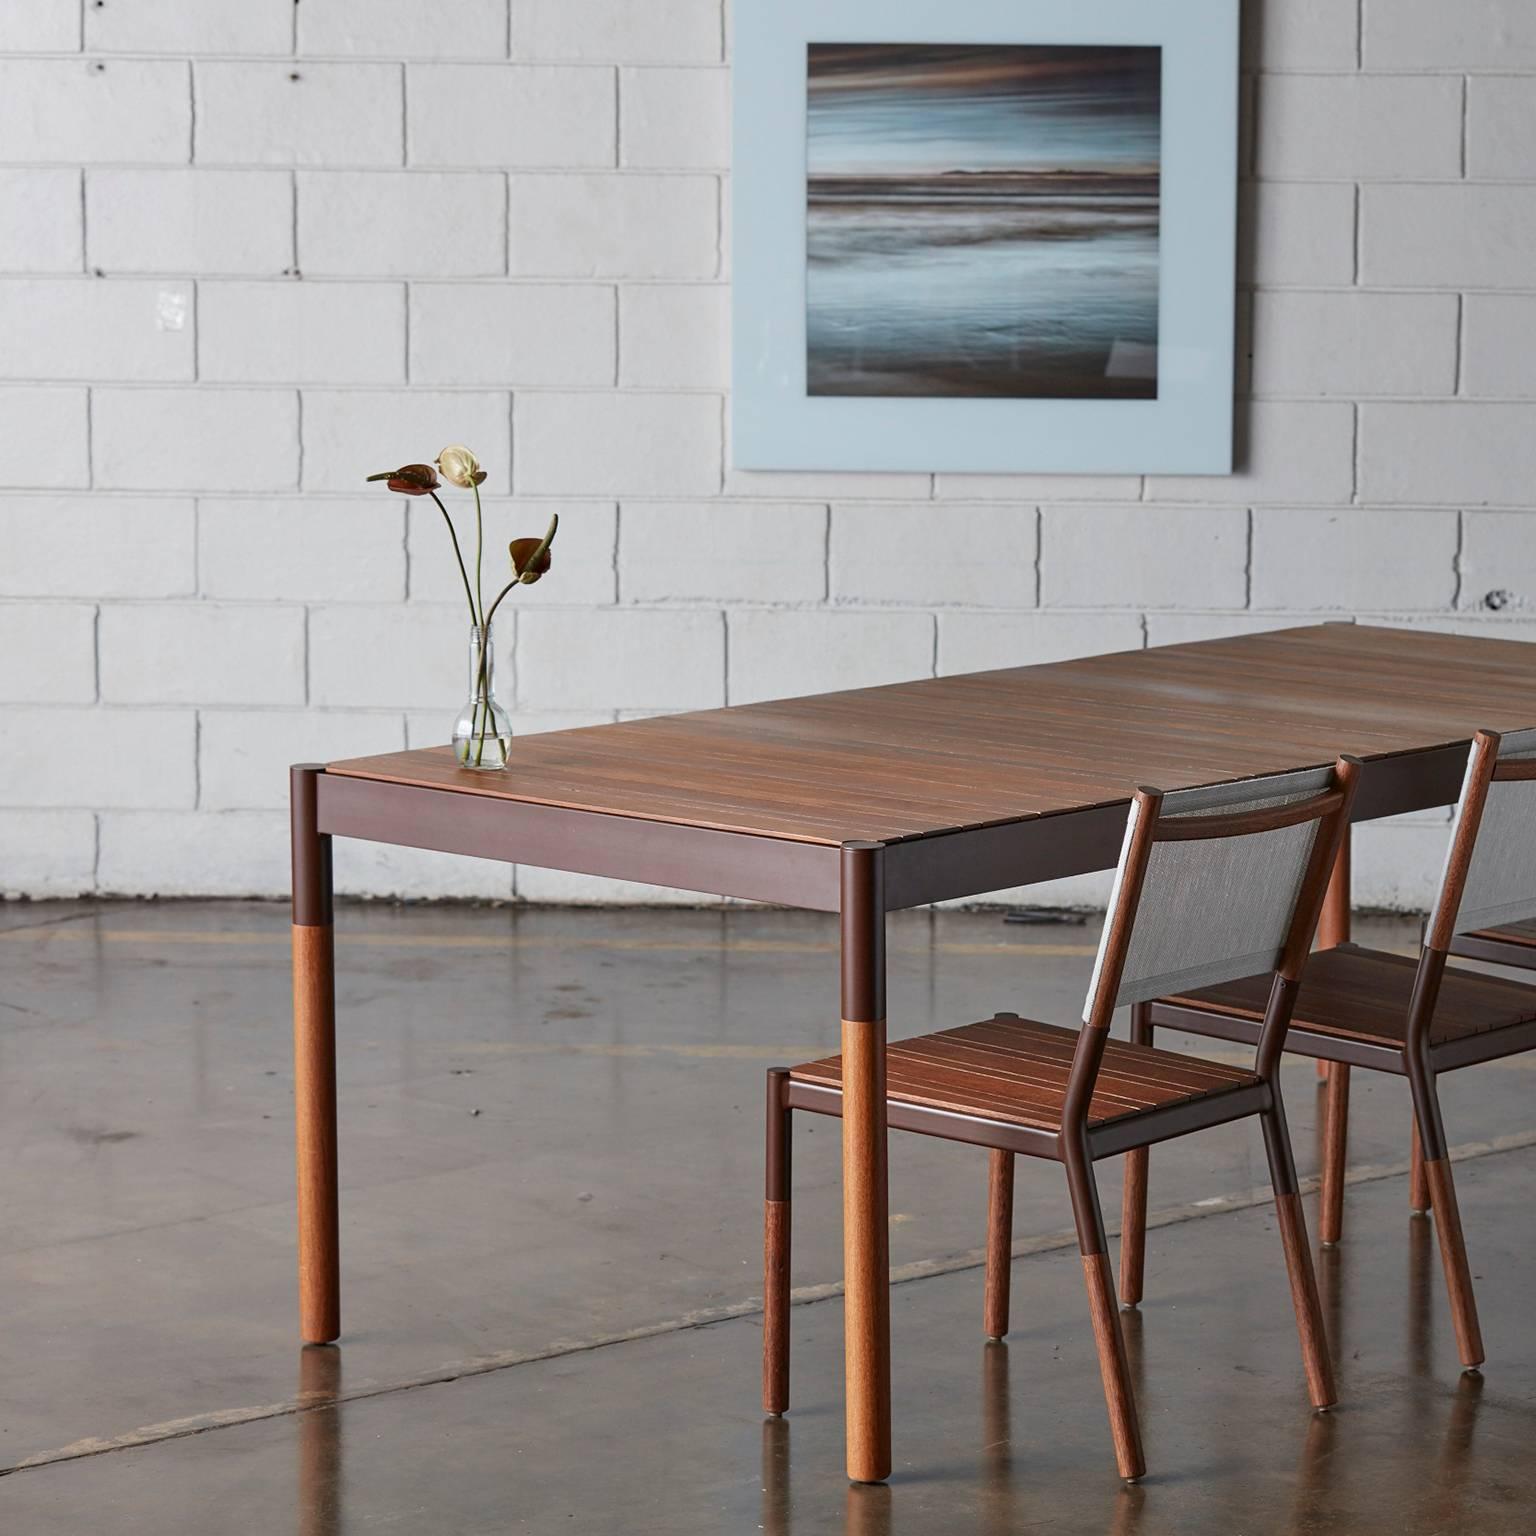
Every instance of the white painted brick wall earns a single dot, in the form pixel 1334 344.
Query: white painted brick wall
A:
pixel 41 26
pixel 44 437
pixel 1359 127
pixel 776 655
pixel 548 334
pixel 271 550
pixel 106 546
pixel 189 439
pixel 772 552
pixel 401 224
pixel 1498 561
pixel 618 31
pixel 228 294
pixel 301 333
pixel 349 435
pixel 1466 35
pixel 209 223
pixel 202 653
pixel 81 328
pixel 613 444
pixel 674 336
pixel 1353 344
pixel 51 238
pixel 1159 557
pixel 404 28
pixel 966 556
pixel 47 653
pixel 1357 560
pixel 305 114
pixel 676 117
pixel 638 225
pixel 523 116
pixel 56 111
pixel 189 26
pixel 1501 127
pixel 1498 357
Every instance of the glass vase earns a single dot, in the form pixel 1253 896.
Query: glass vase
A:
pixel 482 735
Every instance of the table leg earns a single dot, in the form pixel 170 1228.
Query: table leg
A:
pixel 866 1244
pixel 314 1066
pixel 1333 921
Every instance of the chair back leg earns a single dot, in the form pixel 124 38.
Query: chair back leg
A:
pixel 776 1234
pixel 999 1242
pixel 1133 1210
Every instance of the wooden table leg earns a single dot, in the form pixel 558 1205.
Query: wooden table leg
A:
pixel 866 1243
pixel 314 1066
pixel 1333 921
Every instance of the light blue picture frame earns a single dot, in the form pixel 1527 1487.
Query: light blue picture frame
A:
pixel 776 424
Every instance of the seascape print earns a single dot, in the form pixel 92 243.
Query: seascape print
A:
pixel 983 221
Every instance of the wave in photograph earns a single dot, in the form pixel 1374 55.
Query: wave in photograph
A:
pixel 983 221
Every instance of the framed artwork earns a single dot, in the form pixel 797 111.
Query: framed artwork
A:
pixel 986 235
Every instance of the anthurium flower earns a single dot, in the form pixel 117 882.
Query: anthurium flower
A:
pixel 460 467
pixel 530 557
pixel 410 479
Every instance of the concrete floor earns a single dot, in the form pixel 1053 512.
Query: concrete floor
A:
pixel 551 1167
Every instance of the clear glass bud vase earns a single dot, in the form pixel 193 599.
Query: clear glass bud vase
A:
pixel 482 735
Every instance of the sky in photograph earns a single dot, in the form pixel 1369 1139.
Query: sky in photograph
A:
pixel 892 109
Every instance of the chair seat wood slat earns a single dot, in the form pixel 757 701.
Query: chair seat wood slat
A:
pixel 1015 1071
pixel 1363 994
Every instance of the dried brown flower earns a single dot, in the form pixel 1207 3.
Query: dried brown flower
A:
pixel 410 479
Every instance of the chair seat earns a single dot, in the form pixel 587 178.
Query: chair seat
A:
pixel 1522 934
pixel 1362 994
pixel 1014 1071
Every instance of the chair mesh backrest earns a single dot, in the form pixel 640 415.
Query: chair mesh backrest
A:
pixel 1501 877
pixel 1219 909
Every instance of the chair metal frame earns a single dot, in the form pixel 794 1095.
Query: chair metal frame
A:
pixel 1078 1144
pixel 1419 1058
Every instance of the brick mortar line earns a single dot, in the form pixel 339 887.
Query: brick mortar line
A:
pixel 905 1274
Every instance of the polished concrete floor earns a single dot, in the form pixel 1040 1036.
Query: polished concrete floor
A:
pixel 551 1166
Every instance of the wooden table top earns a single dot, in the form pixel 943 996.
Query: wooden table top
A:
pixel 916 759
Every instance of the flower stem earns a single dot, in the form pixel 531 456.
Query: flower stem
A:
pixel 479 555
pixel 457 555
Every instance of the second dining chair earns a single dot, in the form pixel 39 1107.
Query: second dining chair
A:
pixel 1212 884
pixel 1371 1008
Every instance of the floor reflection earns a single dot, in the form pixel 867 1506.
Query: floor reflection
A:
pixel 319 1480
pixel 1341 1463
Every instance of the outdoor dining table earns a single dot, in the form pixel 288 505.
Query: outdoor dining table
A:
pixel 869 801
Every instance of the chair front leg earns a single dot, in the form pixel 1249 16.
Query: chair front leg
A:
pixel 1108 1338
pixel 1442 1198
pixel 1298 1259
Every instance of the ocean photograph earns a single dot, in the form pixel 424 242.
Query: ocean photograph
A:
pixel 983 221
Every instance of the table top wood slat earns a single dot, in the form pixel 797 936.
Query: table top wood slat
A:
pixel 913 760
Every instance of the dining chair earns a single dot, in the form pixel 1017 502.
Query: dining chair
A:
pixel 1370 1008
pixel 1211 883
